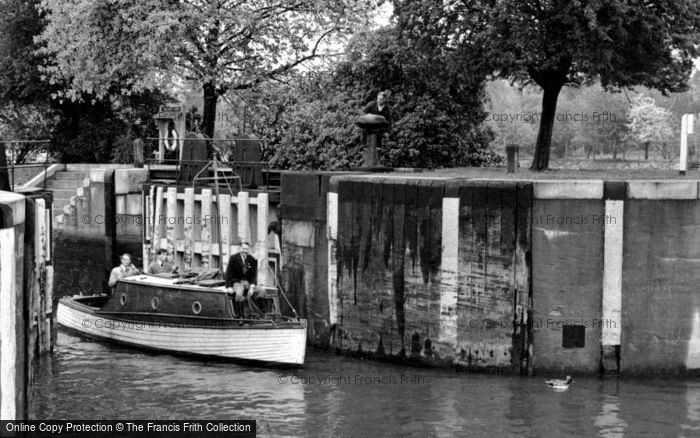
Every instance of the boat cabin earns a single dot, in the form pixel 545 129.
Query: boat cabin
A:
pixel 169 297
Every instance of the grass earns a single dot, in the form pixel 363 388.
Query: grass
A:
pixel 570 169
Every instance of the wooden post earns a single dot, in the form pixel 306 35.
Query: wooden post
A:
pixel 261 244
pixel 206 229
pixel 171 218
pixel 243 217
pixel 158 213
pixel 188 229
pixel 222 221
pixel 147 226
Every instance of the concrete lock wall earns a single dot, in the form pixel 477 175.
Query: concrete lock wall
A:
pixel 516 276
pixel 431 271
pixel 26 296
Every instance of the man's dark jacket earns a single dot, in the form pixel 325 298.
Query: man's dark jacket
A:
pixel 373 108
pixel 236 271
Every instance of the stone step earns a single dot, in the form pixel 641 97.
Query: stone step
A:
pixel 63 193
pixel 60 202
pixel 71 175
pixel 64 184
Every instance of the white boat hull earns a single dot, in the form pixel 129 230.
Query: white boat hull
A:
pixel 283 345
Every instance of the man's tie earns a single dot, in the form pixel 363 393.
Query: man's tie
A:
pixel 245 265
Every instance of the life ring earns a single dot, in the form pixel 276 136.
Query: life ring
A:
pixel 171 141
pixel 196 307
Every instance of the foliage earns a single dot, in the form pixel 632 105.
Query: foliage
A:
pixel 552 44
pixel 81 131
pixel 134 45
pixel 649 123
pixel 435 105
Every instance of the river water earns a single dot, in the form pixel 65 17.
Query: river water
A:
pixel 340 396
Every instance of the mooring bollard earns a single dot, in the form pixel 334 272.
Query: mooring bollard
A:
pixel 373 127
pixel 512 157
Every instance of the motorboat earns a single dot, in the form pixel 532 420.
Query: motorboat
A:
pixel 199 318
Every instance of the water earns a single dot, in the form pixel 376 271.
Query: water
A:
pixel 339 396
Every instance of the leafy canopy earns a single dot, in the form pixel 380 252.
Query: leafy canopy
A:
pixel 552 43
pixel 228 44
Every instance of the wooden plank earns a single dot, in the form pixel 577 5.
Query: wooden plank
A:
pixel 188 231
pixel 221 221
pixel 157 214
pixel 171 218
pixel 145 229
pixel 206 229
pixel 261 244
pixel 243 205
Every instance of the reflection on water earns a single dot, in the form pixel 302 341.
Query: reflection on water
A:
pixel 338 396
pixel 609 421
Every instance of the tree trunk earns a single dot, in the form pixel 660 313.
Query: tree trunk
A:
pixel 209 113
pixel 544 136
pixel 646 150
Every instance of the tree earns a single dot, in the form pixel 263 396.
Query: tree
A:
pixel 224 45
pixel 651 124
pixel 435 103
pixel 507 115
pixel 554 43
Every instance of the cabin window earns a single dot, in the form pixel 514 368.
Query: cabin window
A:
pixel 196 307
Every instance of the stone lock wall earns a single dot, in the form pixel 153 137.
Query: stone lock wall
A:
pixel 543 276
pixel 431 271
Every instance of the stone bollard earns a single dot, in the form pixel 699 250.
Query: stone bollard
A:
pixel 373 127
pixel 512 157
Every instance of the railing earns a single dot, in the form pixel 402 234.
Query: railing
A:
pixel 249 174
pixel 241 149
pixel 12 165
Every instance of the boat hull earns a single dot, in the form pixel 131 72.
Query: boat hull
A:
pixel 273 343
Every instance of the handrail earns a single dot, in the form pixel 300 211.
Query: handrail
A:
pixel 12 144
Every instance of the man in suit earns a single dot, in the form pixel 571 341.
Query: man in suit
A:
pixel 241 275
pixel 380 108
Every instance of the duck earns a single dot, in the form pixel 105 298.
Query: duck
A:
pixel 559 384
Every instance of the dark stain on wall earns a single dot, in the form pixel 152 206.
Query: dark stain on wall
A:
pixel 388 254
